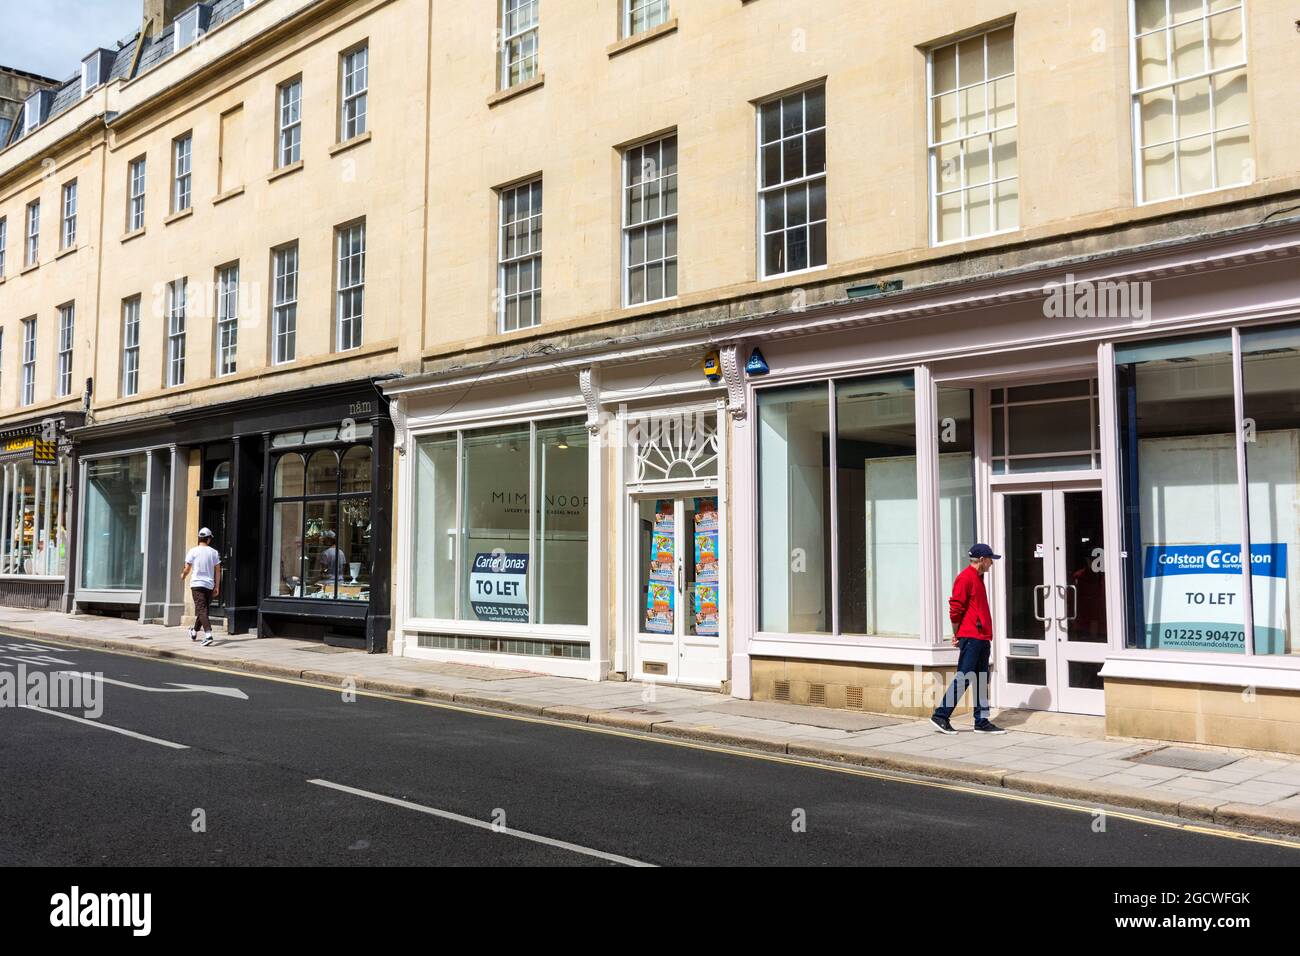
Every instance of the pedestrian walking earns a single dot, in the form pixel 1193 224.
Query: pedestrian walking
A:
pixel 204 563
pixel 972 634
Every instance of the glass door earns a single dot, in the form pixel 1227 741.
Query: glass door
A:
pixel 678 604
pixel 1049 651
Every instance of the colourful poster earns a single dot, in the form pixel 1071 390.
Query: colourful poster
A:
pixel 661 558
pixel 665 516
pixel 706 609
pixel 659 609
pixel 706 540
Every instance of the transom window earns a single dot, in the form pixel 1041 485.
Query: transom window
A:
pixel 520 257
pixel 792 177
pixel 519 41
pixel 642 15
pixel 1051 427
pixel 650 221
pixel 1191 112
pixel 974 151
pixel 674 447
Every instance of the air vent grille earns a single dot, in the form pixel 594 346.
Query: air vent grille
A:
pixel 817 695
pixel 782 691
pixel 853 698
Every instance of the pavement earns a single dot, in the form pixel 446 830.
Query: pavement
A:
pixel 1049 755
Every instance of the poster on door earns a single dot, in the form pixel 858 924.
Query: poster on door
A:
pixel 498 587
pixel 1193 597
pixel 659 608
pixel 706 540
pixel 663 544
pixel 706 609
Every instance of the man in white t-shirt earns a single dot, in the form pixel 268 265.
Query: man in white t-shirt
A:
pixel 204 563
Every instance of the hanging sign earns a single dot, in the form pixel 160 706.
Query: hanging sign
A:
pixel 45 452
pixel 1193 597
pixel 498 587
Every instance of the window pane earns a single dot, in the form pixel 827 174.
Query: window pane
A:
pixel 561 521
pixel 494 489
pixel 1178 457
pixel 433 584
pixel 354 473
pixel 289 476
pixel 956 485
pixel 113 523
pixel 794 510
pixel 875 478
pixel 322 473
pixel 325 564
pixel 353 549
pixel 286 552
pixel 1270 366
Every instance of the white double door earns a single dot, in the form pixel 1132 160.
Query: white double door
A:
pixel 1050 639
pixel 677 613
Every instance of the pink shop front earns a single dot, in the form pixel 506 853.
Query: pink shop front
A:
pixel 1126 432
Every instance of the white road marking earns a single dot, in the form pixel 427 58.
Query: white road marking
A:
pixel 104 726
pixel 481 824
pixel 174 689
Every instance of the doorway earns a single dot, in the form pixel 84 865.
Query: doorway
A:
pixel 678 611
pixel 1051 638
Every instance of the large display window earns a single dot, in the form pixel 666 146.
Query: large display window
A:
pixel 34 517
pixel 321 545
pixel 1181 455
pixel 838 510
pixel 113 523
pixel 500 525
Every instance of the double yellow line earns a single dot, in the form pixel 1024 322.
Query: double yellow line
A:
pixel 785 759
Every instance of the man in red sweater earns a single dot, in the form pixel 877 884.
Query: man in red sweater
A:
pixel 972 627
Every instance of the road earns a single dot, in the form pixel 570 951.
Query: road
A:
pixel 297 775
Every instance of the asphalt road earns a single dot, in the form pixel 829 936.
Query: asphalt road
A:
pixel 82 795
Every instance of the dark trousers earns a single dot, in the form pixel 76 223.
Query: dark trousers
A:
pixel 202 598
pixel 972 672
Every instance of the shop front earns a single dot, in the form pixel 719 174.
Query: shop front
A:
pixel 1137 468
pixel 296 489
pixel 37 465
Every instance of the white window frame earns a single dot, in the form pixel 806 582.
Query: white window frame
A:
pixel 354 92
pixel 33 251
pixel 289 122
pixel 785 186
pixel 934 146
pixel 226 338
pixel 63 367
pixel 1139 181
pixel 514 37
pixel 350 289
pixel 68 234
pixel 182 163
pixel 654 13
pixel 131 346
pixel 533 256
pixel 4 244
pixel 28 394
pixel 137 170
pixel 663 221
pixel 177 292
pixel 284 304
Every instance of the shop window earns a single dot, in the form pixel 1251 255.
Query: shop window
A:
pixel 956 440
pixel 113 523
pixel 1270 371
pixel 501 525
pixel 1182 553
pixel 321 530
pixel 1049 427
pixel 839 555
pixel 34 517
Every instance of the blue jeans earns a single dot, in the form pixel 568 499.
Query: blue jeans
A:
pixel 972 672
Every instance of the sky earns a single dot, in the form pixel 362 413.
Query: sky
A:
pixel 51 36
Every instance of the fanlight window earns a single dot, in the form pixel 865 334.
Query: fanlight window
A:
pixel 675 447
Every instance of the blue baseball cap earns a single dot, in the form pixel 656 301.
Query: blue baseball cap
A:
pixel 983 551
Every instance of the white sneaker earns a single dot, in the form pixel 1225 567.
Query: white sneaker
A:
pixel 207 639
pixel 194 635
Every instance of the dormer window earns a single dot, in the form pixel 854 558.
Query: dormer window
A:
pixel 191 24
pixel 95 70
pixel 36 109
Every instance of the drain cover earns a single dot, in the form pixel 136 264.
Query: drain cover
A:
pixel 1184 759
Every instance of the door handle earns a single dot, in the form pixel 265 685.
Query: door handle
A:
pixel 681 576
pixel 1039 591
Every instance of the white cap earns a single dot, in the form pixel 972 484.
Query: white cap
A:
pixel 205 532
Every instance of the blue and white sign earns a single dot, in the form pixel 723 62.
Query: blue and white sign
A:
pixel 498 587
pixel 1193 597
